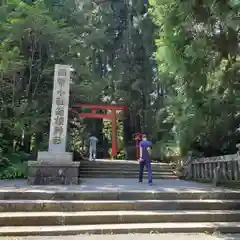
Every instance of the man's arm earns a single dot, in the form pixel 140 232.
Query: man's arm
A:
pixel 149 147
pixel 140 150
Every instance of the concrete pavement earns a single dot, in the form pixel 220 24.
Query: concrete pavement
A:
pixel 109 185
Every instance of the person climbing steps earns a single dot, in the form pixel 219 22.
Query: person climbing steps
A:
pixel 93 147
pixel 144 159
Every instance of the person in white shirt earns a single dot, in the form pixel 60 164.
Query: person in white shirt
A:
pixel 92 147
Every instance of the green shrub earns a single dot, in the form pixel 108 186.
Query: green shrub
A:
pixel 13 171
pixel 13 166
pixel 121 155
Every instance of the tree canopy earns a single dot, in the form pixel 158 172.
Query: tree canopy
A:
pixel 176 64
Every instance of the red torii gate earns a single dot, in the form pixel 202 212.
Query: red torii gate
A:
pixel 109 116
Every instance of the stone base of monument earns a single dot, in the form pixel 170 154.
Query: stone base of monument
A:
pixel 53 169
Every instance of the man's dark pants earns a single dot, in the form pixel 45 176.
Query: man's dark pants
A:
pixel 146 163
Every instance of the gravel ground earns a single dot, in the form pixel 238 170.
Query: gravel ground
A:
pixel 135 237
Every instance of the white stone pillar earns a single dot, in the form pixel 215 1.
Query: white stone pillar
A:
pixel 60 104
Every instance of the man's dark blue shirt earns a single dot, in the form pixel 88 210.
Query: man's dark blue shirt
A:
pixel 145 144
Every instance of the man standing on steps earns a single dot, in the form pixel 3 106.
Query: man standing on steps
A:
pixel 144 159
pixel 92 147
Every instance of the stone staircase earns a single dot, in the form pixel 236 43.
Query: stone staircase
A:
pixel 48 212
pixel 122 169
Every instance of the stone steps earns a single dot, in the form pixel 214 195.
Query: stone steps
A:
pixel 53 212
pixel 7 206
pixel 103 169
pixel 100 174
pixel 193 227
pixel 116 170
pixel 118 161
pixel 122 169
pixel 73 195
pixel 84 169
pixel 126 169
pixel 123 172
pixel 87 176
pixel 77 212
pixel 122 164
pixel 111 217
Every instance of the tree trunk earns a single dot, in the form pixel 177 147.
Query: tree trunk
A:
pixel 27 143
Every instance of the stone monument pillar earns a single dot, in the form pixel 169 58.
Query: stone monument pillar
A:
pixel 56 166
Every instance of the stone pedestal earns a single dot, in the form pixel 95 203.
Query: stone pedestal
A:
pixel 238 147
pixel 50 173
pixel 56 166
pixel 55 157
pixel 53 169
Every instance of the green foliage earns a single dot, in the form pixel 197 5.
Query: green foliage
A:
pixel 176 66
pixel 198 55
pixel 13 165
pixel 121 155
pixel 14 171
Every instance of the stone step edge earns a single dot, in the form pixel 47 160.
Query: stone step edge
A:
pixel 117 213
pixel 132 175
pixel 170 201
pixel 193 227
pixel 26 190
pixel 97 166
pixel 129 175
pixel 114 165
pixel 122 172
pixel 121 163
pixel 106 175
pixel 123 169
pixel 117 161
